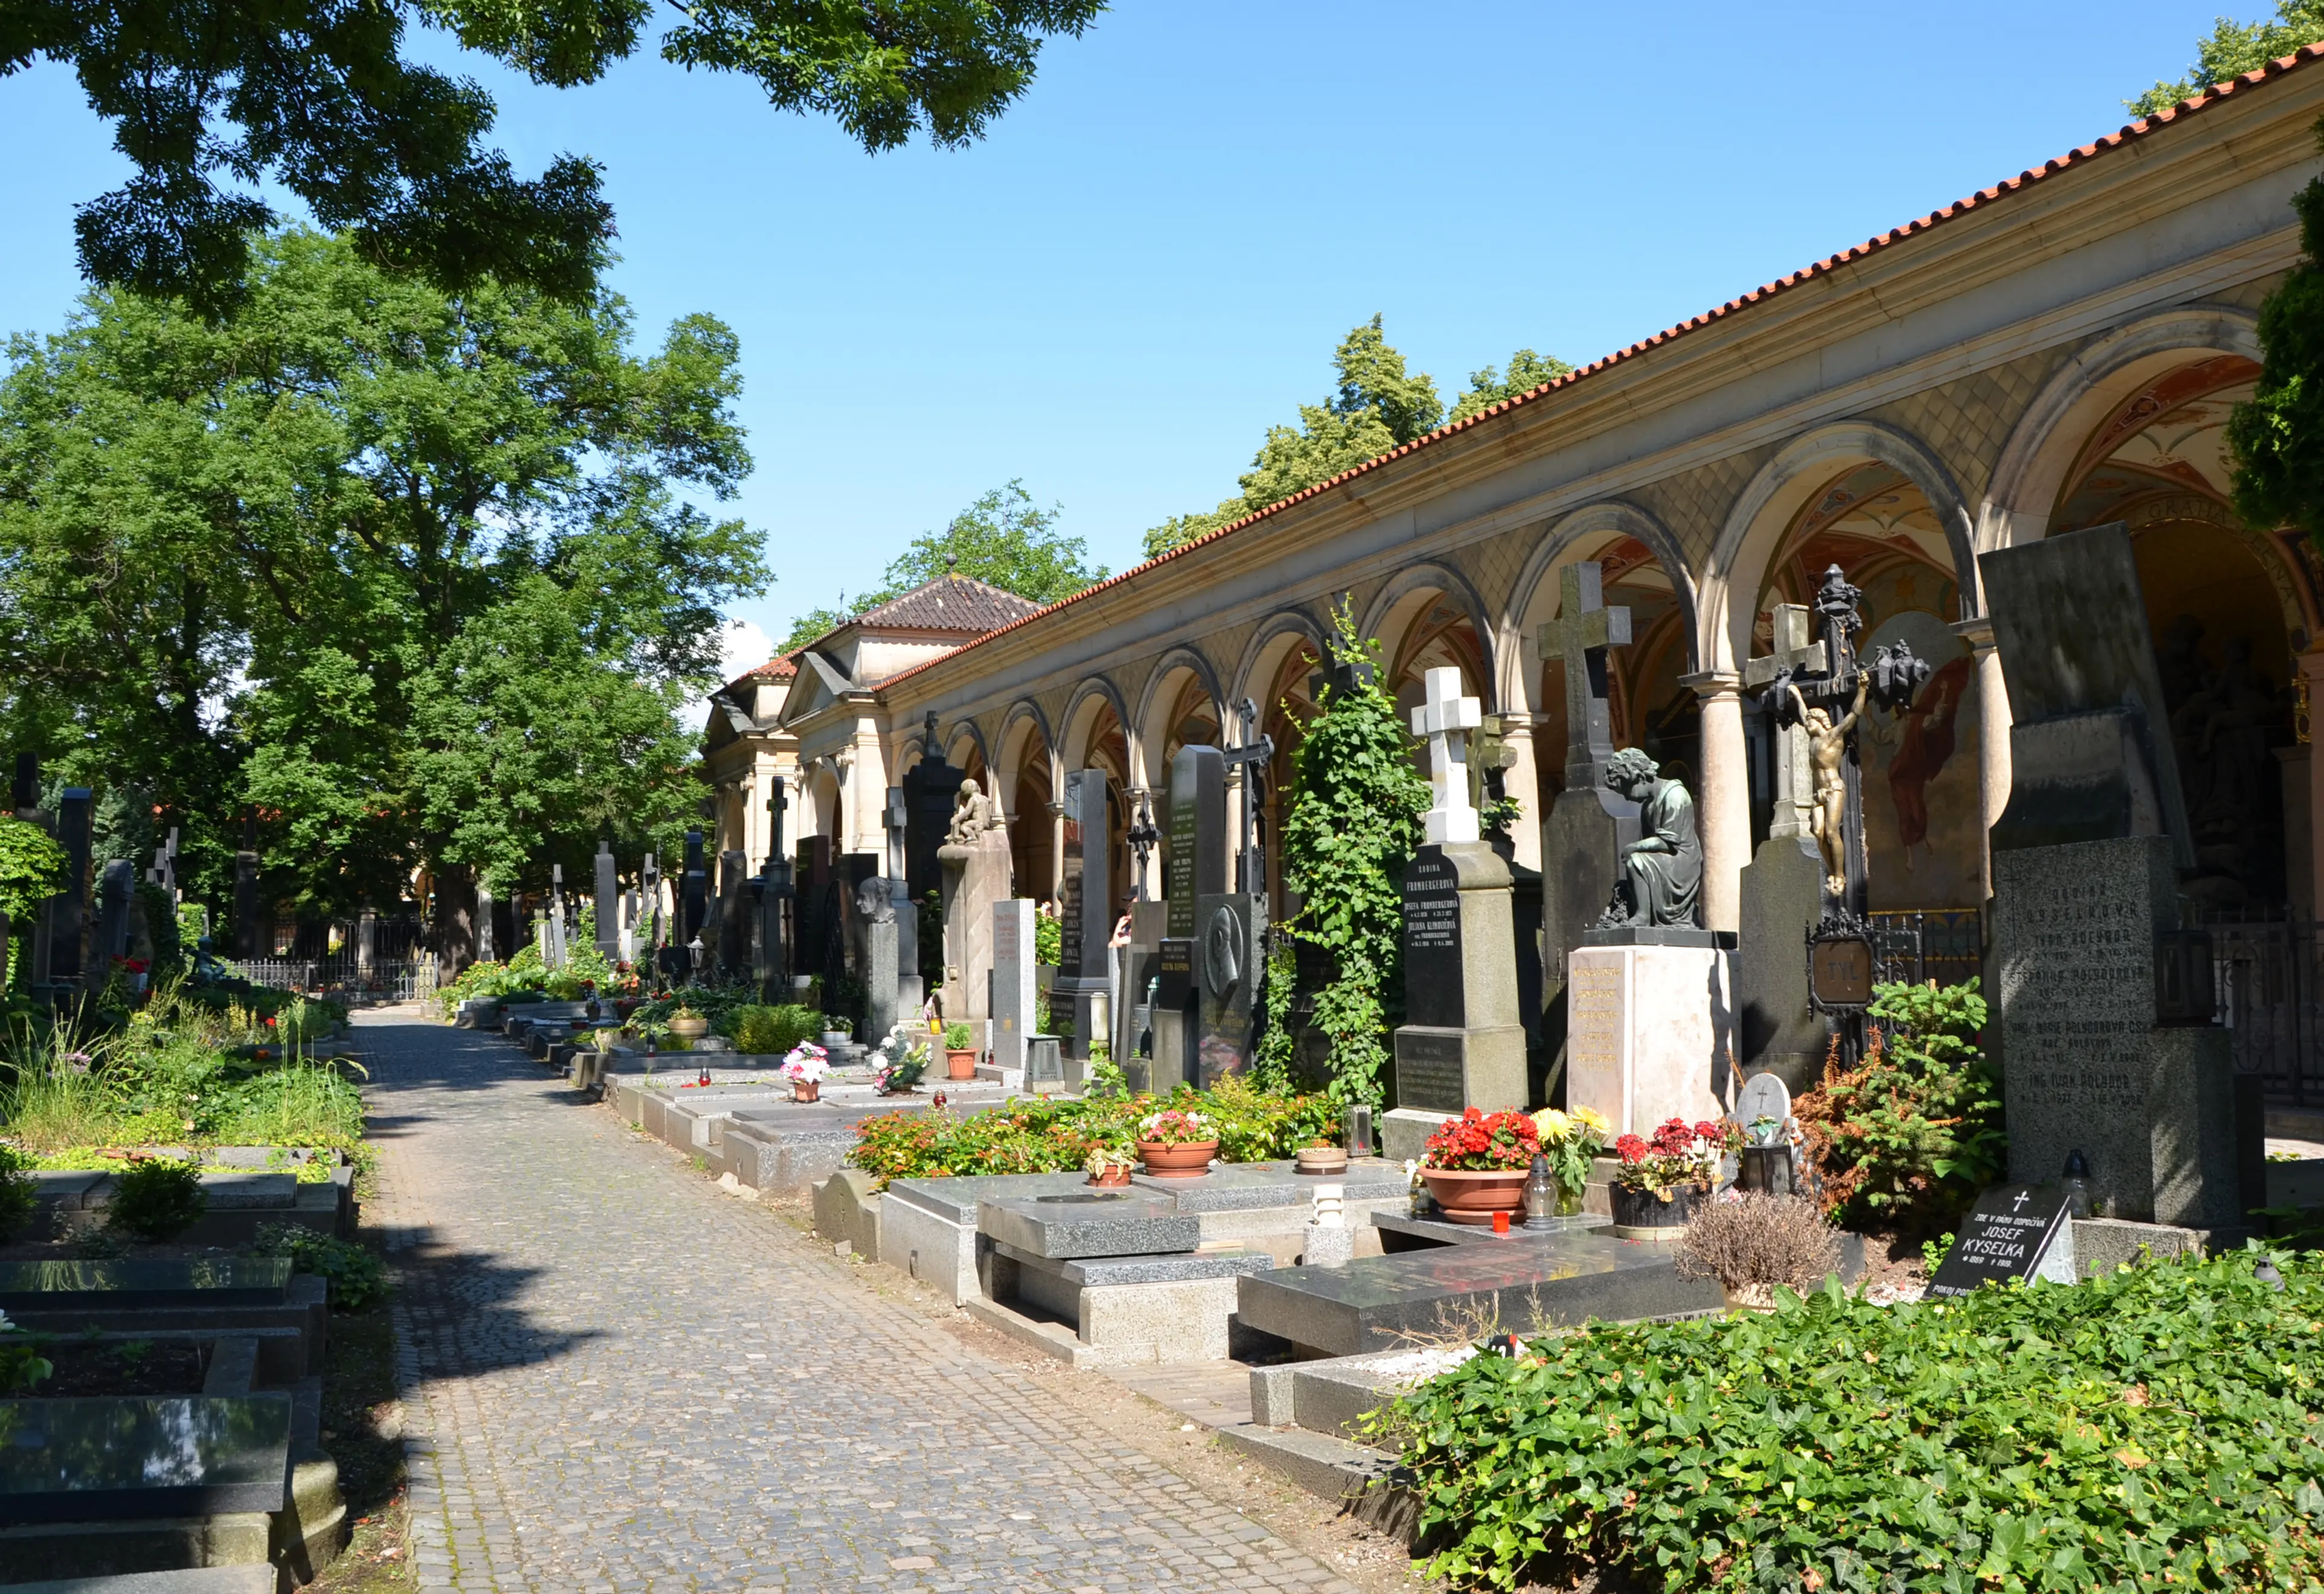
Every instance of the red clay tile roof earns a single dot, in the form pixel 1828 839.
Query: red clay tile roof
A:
pixel 2143 127
pixel 951 603
pixel 782 669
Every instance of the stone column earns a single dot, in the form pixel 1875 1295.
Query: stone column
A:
pixel 1725 800
pixel 1992 738
pixel 1522 781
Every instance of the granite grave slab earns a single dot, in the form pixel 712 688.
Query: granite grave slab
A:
pixel 1089 1223
pixel 102 1459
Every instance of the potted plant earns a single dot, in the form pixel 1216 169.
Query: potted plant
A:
pixel 686 1026
pixel 1173 1144
pixel 1109 1166
pixel 960 1050
pixel 837 1031
pixel 1663 1177
pixel 1571 1141
pixel 805 1067
pixel 899 1072
pixel 1475 1165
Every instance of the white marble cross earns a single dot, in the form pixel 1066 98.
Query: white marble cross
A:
pixel 1445 718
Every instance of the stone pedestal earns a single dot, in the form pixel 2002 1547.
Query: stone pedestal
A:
pixel 976 877
pixel 1463 1046
pixel 879 971
pixel 1782 901
pixel 1653 1030
pixel 2151 1106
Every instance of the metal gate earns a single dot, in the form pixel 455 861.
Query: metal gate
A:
pixel 1918 945
pixel 2271 995
pixel 407 979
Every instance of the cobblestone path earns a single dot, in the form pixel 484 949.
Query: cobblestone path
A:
pixel 618 1378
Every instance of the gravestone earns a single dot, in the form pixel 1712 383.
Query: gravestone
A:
pixel 1650 991
pixel 910 989
pixel 1133 1022
pixel 875 908
pixel 772 968
pixel 68 911
pixel 484 927
pixel 693 892
pixel 1587 827
pixel 1782 892
pixel 729 929
pixel 977 875
pixel 1083 910
pixel 608 903
pixel 116 891
pixel 2016 1231
pixel 1229 952
pixel 1462 1044
pixel 2107 1041
pixel 1194 867
pixel 1013 956
pixel 931 789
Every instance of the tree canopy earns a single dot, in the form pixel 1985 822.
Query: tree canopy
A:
pixel 1378 406
pixel 2236 48
pixel 318 96
pixel 1003 539
pixel 2277 436
pixel 406 573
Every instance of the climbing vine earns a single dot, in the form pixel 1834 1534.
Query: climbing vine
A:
pixel 32 867
pixel 1355 822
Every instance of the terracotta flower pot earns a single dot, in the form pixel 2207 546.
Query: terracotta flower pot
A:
pixel 1177 1161
pixel 962 1064
pixel 1112 1178
pixel 1320 1159
pixel 1467 1197
pixel 807 1089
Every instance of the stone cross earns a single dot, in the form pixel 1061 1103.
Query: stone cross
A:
pixel 1581 634
pixel 898 815
pixel 1794 655
pixel 1142 836
pixel 1251 758
pixel 777 802
pixel 1445 718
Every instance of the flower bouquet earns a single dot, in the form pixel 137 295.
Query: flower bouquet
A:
pixel 1177 1144
pixel 1662 1176
pixel 1571 1141
pixel 1475 1165
pixel 803 1067
pixel 899 1071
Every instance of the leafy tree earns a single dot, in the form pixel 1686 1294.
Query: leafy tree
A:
pixel 1354 824
pixel 317 97
pixel 2236 48
pixel 1003 539
pixel 2277 436
pixel 405 571
pixel 1527 371
pixel 32 869
pixel 1379 406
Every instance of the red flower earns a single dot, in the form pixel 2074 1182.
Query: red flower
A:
pixel 1630 1149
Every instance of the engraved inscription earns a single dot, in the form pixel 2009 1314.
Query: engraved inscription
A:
pixel 1593 1039
pixel 2079 975
pixel 1430 1075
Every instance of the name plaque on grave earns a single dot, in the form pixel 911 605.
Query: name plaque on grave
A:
pixel 2007 1234
pixel 1069 893
pixel 1177 970
pixel 2081 1027
pixel 1432 977
pixel 1431 1069
pixel 1840 971
pixel 1593 1032
pixel 1178 876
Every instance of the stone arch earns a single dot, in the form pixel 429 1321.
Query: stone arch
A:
pixel 1533 598
pixel 1270 642
pixel 1164 684
pixel 1404 598
pixel 1028 771
pixel 1082 714
pixel 966 730
pixel 2049 438
pixel 1727 601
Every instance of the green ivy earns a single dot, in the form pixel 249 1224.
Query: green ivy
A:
pixel 32 867
pixel 2277 435
pixel 1271 1065
pixel 1355 822
pixel 2155 1430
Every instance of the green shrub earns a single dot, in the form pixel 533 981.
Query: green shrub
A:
pixel 1056 1135
pixel 18 1198
pixel 356 1277
pixel 1914 1133
pixel 958 1037
pixel 2156 1429
pixel 772 1030
pixel 157 1199
pixel 21 1365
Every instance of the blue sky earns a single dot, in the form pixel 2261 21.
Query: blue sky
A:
pixel 1152 257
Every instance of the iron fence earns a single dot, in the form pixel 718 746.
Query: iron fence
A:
pixel 1916 946
pixel 343 979
pixel 2269 979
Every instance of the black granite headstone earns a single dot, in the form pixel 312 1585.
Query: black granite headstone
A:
pixel 1085 905
pixel 694 892
pixel 69 909
pixel 931 788
pixel 2005 1236
pixel 1432 942
pixel 1196 864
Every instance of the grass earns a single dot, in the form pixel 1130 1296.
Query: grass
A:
pixel 359 1396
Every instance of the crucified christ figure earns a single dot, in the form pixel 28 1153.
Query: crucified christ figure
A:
pixel 1827 747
